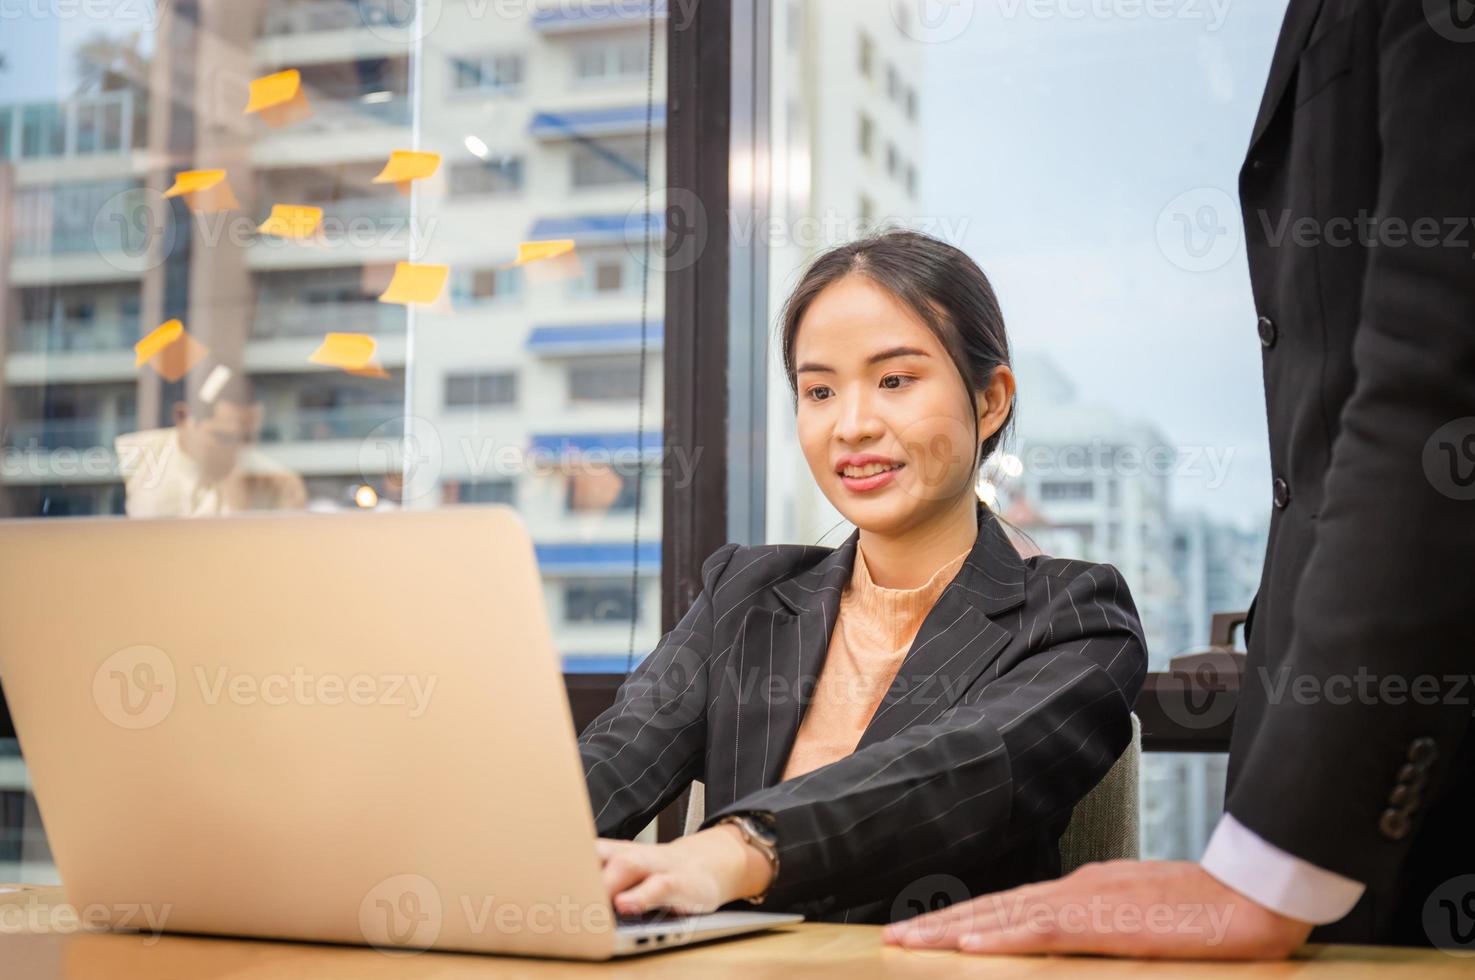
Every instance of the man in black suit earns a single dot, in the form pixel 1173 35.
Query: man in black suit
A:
pixel 1351 796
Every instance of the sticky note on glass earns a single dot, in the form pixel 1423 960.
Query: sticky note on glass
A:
pixel 169 350
pixel 542 251
pixel 278 98
pixel 415 283
pixel 351 352
pixel 292 221
pixel 405 166
pixel 203 190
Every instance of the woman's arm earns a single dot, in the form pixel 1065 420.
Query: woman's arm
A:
pixel 642 751
pixel 1022 747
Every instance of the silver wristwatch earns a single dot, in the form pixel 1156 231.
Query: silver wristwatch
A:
pixel 761 837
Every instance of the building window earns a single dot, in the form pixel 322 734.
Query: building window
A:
pixel 867 135
pixel 481 492
pixel 486 388
pixel 893 84
pixel 597 602
pixel 912 179
pixel 477 286
pixel 489 73
pixel 912 104
pixel 605 381
pixel 893 159
pixel 605 61
pixel 867 55
pixel 609 162
pixel 609 273
pixel 500 176
pixel 1067 490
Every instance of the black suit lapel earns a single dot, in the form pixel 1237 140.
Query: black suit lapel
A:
pixel 1294 33
pixel 957 640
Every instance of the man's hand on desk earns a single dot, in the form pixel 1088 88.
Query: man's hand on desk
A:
pixel 1141 909
pixel 696 873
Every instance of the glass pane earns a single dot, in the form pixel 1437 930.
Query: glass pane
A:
pixel 1069 156
pixel 522 372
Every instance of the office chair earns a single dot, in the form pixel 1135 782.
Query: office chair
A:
pixel 1103 825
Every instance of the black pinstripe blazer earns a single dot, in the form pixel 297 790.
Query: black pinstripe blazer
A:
pixel 1010 705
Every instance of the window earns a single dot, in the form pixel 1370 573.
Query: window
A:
pixel 604 382
pixel 867 134
pixel 606 61
pixel 607 162
pixel 499 176
pixel 893 84
pixel 1074 490
pixel 911 103
pixel 912 179
pixel 597 602
pixel 609 272
pixel 489 73
pixel 476 390
pixel 481 492
pixel 104 111
pixel 867 55
pixel 478 287
pixel 893 159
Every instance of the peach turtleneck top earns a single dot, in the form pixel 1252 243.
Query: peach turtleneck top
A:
pixel 874 630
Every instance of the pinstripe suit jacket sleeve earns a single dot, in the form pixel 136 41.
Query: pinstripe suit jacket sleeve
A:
pixel 642 752
pixel 1012 702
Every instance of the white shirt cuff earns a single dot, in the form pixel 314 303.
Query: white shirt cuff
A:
pixel 1277 879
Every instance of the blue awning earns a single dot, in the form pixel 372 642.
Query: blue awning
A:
pixel 575 123
pixel 597 558
pixel 578 443
pixel 612 662
pixel 595 338
pixel 594 15
pixel 594 229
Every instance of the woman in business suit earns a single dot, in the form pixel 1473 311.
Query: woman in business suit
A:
pixel 932 746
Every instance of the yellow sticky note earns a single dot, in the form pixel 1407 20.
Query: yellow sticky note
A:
pixel 415 283
pixel 169 350
pixel 349 351
pixel 189 181
pixel 279 98
pixel 407 165
pixel 292 221
pixel 539 251
pixel 370 370
pixel 203 190
pixel 161 336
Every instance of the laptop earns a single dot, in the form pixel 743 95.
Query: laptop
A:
pixel 345 728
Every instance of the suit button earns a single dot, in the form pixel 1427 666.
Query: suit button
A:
pixel 1282 494
pixel 1423 751
pixel 1412 774
pixel 1405 797
pixel 1269 332
pixel 1258 165
pixel 1394 824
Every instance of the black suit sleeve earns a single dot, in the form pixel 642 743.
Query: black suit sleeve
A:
pixel 1017 752
pixel 645 748
pixel 1386 591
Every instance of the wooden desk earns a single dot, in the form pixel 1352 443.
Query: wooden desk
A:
pixel 808 950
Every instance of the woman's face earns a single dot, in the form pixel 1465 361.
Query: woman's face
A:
pixel 873 381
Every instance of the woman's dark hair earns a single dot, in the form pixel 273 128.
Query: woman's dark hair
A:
pixel 940 283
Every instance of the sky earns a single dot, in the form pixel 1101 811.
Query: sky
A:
pixel 1090 152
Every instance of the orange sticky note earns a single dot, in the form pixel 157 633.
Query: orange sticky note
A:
pixel 159 338
pixel 203 190
pixel 370 370
pixel 405 166
pixel 292 221
pixel 170 351
pixel 349 351
pixel 415 283
pixel 539 251
pixel 278 98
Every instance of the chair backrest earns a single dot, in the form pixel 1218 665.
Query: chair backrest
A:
pixel 1103 825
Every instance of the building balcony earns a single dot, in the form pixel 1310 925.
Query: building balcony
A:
pixel 50 435
pixel 84 127
pixel 350 422
pixel 75 336
pixel 298 320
